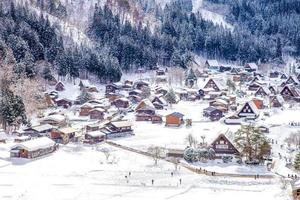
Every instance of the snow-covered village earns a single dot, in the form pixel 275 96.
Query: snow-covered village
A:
pixel 124 99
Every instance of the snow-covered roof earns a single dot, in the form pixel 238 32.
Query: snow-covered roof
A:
pixel 119 124
pixel 98 109
pixel 252 65
pixel 56 117
pixel 67 130
pixel 214 63
pixel 41 128
pixel 95 133
pixel 35 144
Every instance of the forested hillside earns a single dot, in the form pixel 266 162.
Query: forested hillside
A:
pixel 269 20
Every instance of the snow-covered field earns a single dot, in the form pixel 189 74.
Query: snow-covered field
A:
pixel 77 172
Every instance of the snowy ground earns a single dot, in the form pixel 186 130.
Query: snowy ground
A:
pixel 214 17
pixel 82 173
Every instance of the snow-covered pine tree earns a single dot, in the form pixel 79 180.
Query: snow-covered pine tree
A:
pixel 170 97
pixel 297 161
pixel 252 143
pixel 84 96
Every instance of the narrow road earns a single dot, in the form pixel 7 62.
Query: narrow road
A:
pixel 190 168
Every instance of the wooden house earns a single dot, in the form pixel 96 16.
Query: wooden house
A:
pixel 112 88
pixel 214 114
pixel 140 84
pixel 121 103
pixel 33 148
pixel 214 84
pixel 212 65
pixel 94 137
pixel 160 72
pixel 112 96
pixel 65 103
pixel 156 119
pixel 160 76
pixel 159 103
pixel 249 111
pixel 290 92
pixel 254 86
pixel 145 113
pixel 276 101
pixel 174 119
pixel 223 146
pixel 283 76
pixel 63 135
pixel 273 90
pixel 220 104
pixel 128 82
pixel 128 86
pixel 59 86
pixel 144 103
pixel 225 68
pixel 292 80
pixel 38 131
pixel 298 77
pixel 161 91
pixel 117 129
pixel 57 120
pixel 296 188
pixel 134 99
pixel 263 91
pixel 97 113
pixel 92 127
pixel 135 92
pixel 85 109
pixel 235 70
pixel 251 67
pixel 274 74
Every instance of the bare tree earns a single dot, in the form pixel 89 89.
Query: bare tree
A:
pixel 294 139
pixel 106 152
pixel 156 153
pixel 191 140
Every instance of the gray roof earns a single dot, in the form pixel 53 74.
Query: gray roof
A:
pixel 177 114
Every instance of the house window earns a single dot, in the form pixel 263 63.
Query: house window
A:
pixel 247 109
pixel 221 146
pixel 298 192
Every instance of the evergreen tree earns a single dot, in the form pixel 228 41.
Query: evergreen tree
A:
pixel 84 96
pixel 12 109
pixel 297 161
pixel 279 49
pixel 171 97
pixel 253 144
